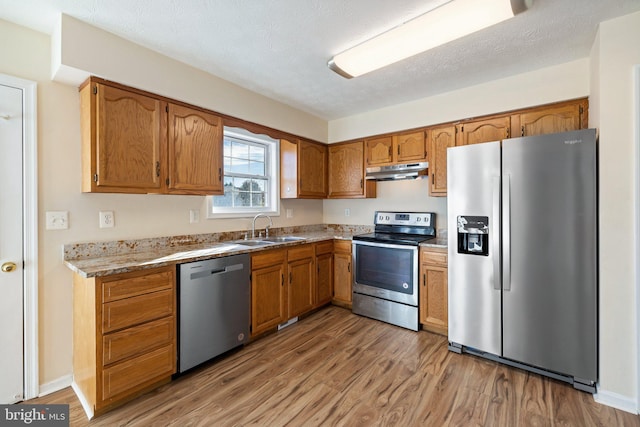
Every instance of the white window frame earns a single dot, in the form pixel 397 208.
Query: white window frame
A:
pixel 272 164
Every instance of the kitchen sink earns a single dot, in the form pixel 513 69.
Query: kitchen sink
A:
pixel 283 239
pixel 253 242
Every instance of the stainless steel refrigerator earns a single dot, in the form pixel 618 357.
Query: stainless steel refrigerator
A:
pixel 522 243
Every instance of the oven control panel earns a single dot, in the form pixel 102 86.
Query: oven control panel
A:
pixel 424 219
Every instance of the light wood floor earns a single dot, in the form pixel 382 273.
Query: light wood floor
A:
pixel 336 368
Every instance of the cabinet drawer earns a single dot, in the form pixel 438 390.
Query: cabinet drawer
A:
pixel 125 377
pixel 324 247
pixel 136 340
pixel 131 286
pixel 268 258
pixel 300 252
pixel 133 311
pixel 431 257
pixel 342 246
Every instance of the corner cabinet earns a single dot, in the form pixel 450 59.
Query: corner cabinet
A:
pixel 136 142
pixel 347 172
pixel 434 290
pixel 124 336
pixel 303 170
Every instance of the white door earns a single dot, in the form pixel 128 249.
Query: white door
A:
pixel 11 245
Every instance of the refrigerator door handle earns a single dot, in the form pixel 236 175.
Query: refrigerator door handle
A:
pixel 506 231
pixel 495 235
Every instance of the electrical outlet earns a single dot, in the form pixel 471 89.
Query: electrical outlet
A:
pixel 194 216
pixel 107 219
pixel 57 220
pixel 347 212
pixel 289 213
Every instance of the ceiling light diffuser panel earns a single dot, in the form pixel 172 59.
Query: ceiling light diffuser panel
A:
pixel 448 22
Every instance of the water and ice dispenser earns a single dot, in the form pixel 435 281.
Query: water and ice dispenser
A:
pixel 473 235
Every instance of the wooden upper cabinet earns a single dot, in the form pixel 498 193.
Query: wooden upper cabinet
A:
pixel 122 140
pixel 410 147
pixel 401 148
pixel 312 169
pixel 487 130
pixel 195 151
pixel 303 170
pixel 379 151
pixel 346 172
pixel 563 117
pixel 138 142
pixel 440 138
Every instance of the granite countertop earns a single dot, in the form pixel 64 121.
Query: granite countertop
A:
pixel 95 259
pixel 159 256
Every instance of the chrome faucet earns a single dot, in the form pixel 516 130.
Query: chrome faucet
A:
pixel 253 225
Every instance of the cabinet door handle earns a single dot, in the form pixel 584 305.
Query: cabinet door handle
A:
pixel 424 279
pixel 398 150
pixel 157 168
pixel 361 183
pixel 219 174
pixel 349 267
pixel 282 279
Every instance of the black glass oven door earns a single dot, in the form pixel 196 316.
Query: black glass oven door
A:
pixel 389 267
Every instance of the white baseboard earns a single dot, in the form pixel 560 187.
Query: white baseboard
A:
pixel 616 400
pixel 55 385
pixel 88 409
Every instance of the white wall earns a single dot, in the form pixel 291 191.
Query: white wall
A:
pixel 28 56
pixel 615 52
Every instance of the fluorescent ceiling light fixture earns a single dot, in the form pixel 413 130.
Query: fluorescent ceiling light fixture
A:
pixel 448 22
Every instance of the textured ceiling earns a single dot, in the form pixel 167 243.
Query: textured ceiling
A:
pixel 280 48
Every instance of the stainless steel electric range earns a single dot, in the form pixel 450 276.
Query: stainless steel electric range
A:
pixel 385 274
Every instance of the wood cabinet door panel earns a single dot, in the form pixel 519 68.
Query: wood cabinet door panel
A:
pixel 410 147
pixel 346 170
pixel 133 284
pixel 128 140
pixel 195 151
pixel 434 309
pixel 324 278
pixel 379 151
pixel 132 375
pixel 440 138
pixel 133 311
pixel 267 297
pixel 312 170
pixel 301 290
pixel 551 120
pixel 139 339
pixel 476 132
pixel 342 277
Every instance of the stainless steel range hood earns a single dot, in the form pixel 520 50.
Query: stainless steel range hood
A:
pixel 397 172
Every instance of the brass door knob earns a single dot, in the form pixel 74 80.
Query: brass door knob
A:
pixel 8 267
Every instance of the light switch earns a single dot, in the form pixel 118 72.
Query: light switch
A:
pixel 194 216
pixel 289 213
pixel 57 220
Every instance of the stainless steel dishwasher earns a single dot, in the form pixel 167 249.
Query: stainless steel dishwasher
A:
pixel 214 308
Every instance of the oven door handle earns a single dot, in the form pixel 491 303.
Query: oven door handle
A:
pixel 384 245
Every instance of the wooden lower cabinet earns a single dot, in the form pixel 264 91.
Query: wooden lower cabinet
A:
pixel 301 273
pixel 342 276
pixel 124 333
pixel 268 292
pixel 324 273
pixel 434 310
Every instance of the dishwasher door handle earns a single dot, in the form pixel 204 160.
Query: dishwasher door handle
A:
pixel 207 273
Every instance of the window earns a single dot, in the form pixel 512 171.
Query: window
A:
pixel 250 176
